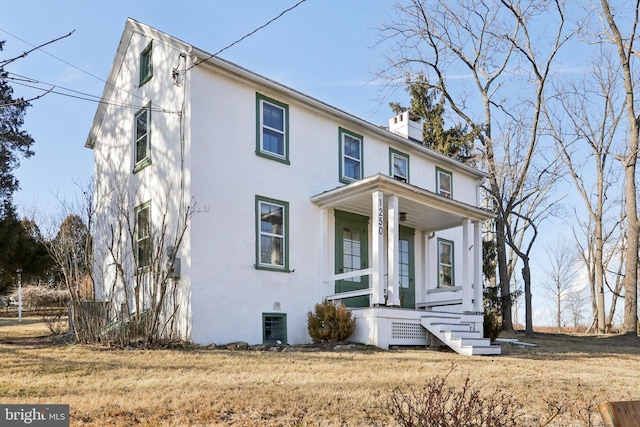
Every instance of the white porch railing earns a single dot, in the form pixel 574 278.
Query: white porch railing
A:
pixel 349 294
pixel 349 275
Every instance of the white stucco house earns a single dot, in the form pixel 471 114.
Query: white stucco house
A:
pixel 303 202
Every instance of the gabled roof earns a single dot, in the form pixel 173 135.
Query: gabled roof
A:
pixel 208 60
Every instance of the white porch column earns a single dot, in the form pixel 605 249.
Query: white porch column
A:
pixel 477 270
pixel 467 266
pixel 393 257
pixel 328 288
pixel 377 249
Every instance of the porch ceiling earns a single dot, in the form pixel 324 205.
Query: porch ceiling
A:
pixel 425 209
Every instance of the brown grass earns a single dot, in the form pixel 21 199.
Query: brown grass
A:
pixel 195 386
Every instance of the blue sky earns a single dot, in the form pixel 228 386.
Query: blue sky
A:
pixel 324 48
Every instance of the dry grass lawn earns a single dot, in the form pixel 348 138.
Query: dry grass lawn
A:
pixel 197 387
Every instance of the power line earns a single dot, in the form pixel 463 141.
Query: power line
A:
pixel 93 98
pixel 75 94
pixel 245 36
pixel 74 66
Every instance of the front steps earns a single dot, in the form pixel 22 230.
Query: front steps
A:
pixel 457 331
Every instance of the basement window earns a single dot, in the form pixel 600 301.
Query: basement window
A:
pixel 274 328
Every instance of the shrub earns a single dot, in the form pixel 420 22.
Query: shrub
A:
pixel 330 322
pixel 492 313
pixel 438 404
pixel 492 326
pixel 42 296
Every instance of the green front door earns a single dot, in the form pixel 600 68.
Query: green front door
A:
pixel 352 253
pixel 407 268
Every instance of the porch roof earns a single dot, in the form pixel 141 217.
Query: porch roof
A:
pixel 424 209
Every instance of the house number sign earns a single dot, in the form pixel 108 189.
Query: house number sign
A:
pixel 380 217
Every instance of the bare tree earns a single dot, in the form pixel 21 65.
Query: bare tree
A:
pixel 122 269
pixel 69 242
pixel 140 250
pixel 443 40
pixel 560 275
pixel 575 305
pixel 624 46
pixel 584 123
pixel 432 37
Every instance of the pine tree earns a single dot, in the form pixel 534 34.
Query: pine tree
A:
pixel 14 142
pixel 455 142
pixel 17 248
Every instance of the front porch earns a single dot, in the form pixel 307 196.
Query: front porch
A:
pixel 385 327
pixel 386 254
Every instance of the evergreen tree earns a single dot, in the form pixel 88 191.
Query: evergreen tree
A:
pixel 14 142
pixel 455 142
pixel 21 247
pixel 17 248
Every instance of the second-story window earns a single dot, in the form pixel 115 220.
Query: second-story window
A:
pixel 444 182
pixel 142 149
pixel 272 139
pixel 351 167
pixel 398 165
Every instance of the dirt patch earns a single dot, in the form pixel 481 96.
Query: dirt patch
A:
pixel 29 341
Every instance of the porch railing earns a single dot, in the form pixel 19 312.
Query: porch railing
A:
pixel 349 275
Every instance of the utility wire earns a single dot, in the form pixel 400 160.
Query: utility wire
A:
pixel 77 68
pixel 195 64
pixel 97 99
pixel 80 95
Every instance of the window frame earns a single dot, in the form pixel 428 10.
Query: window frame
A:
pixel 260 150
pixel 443 172
pixel 342 133
pixel 283 317
pixel 140 266
pixel 146 64
pixel 393 154
pixel 146 160
pixel 441 264
pixel 259 265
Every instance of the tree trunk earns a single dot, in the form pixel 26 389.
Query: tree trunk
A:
pixel 526 277
pixel 599 270
pixel 559 309
pixel 624 48
pixel 505 285
pixel 630 325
